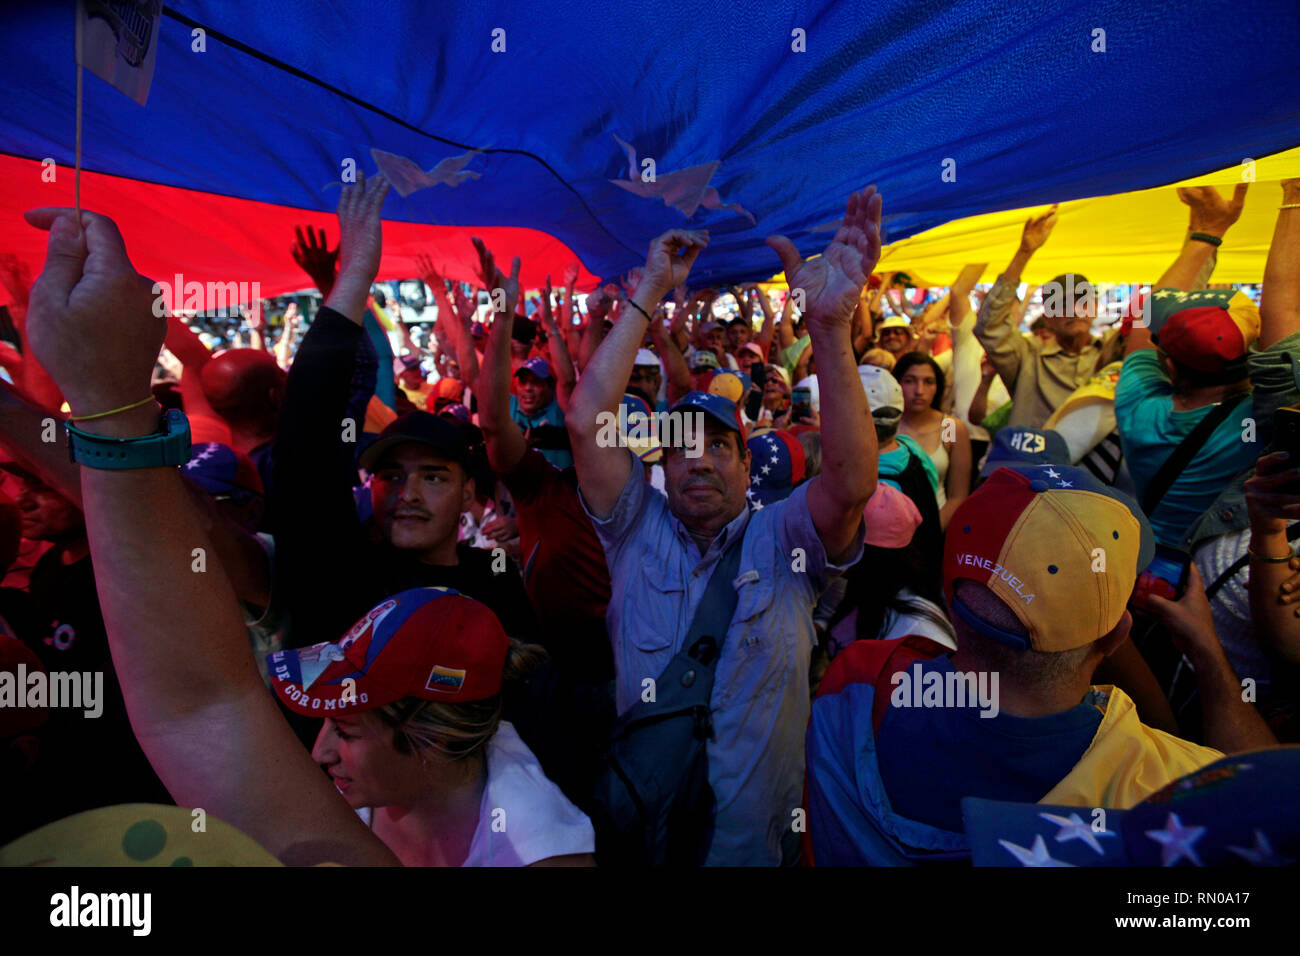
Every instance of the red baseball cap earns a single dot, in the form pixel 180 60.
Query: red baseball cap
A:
pixel 430 643
pixel 1206 330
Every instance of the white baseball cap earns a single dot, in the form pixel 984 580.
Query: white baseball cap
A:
pixel 646 357
pixel 883 390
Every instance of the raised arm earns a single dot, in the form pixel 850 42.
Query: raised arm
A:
pixel 995 327
pixel 284 346
pixel 598 303
pixel 768 331
pixel 561 363
pixel 1279 300
pixel 316 258
pixel 832 284
pixel 180 650
pixel 672 361
pixel 1209 215
pixel 505 442
pixel 603 471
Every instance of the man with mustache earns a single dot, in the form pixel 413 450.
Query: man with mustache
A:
pixel 662 553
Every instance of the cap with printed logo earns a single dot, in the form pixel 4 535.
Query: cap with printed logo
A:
pixel 430 643
pixel 1059 548
pixel 1016 445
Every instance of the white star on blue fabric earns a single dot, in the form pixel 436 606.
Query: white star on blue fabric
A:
pixel 1037 856
pixel 1065 484
pixel 755 480
pixel 1053 473
pixel 1073 828
pixel 766 469
pixel 1176 841
pixel 1261 854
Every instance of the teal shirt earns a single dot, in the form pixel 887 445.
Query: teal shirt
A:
pixel 1150 430
pixel 893 463
pixel 550 415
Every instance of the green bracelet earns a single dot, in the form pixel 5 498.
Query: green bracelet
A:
pixel 1206 237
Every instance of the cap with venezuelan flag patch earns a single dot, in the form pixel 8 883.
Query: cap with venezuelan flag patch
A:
pixel 1207 330
pixel 430 643
pixel 1058 547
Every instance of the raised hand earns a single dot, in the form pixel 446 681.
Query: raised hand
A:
pixel 91 321
pixel 361 241
pixel 1036 231
pixel 833 282
pixel 314 257
pixel 494 278
pixel 1210 212
pixel 428 273
pixel 670 260
pixel 632 281
pixel 465 305
pixel 571 275
pixel 548 316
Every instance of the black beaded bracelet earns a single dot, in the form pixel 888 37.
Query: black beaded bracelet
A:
pixel 639 309
pixel 1206 237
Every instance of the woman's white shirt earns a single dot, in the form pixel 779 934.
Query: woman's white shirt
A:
pixel 523 816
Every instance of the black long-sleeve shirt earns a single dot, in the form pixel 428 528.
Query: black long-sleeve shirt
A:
pixel 331 568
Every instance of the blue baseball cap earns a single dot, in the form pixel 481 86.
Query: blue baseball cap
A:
pixel 722 411
pixel 1015 445
pixel 538 366
pixel 1237 811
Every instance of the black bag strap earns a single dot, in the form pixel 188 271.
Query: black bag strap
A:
pixel 1182 455
pixel 1292 533
pixel 712 618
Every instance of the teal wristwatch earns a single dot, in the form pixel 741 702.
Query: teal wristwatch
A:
pixel 170 446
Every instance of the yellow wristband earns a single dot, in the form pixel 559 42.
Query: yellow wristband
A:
pixel 1268 558
pixel 115 411
pixel 1289 205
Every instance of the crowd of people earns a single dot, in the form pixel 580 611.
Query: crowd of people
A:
pixel 654 574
